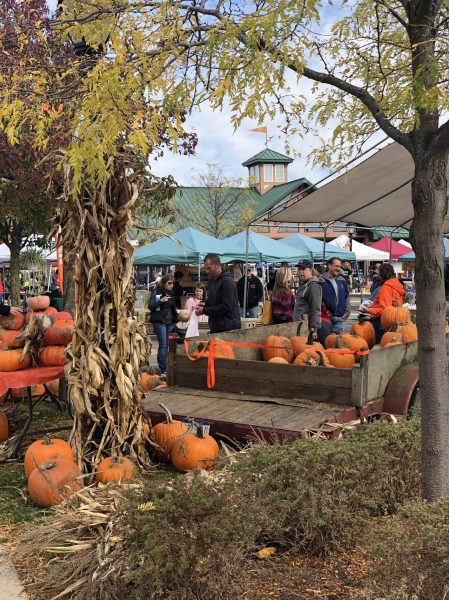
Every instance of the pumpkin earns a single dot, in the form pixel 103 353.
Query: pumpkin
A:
pixel 408 330
pixel 53 386
pixel 64 324
pixel 11 339
pixel 148 381
pixel 12 322
pixel 301 342
pixel 221 349
pixel 4 427
pixel 278 359
pixel 61 316
pixel 114 468
pixel 51 310
pixel 277 346
pixel 365 330
pixel 166 434
pixel 52 480
pixel 57 336
pixel 22 392
pixel 183 316
pixel 38 302
pixel 10 360
pixel 46 449
pixel 393 314
pixel 341 359
pixel 391 338
pixel 346 340
pixel 194 451
pixel 52 356
pixel 312 357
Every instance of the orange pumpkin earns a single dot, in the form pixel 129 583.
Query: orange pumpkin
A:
pixel 312 357
pixel 4 427
pixel 221 349
pixel 149 381
pixel 12 322
pixel 301 342
pixel 64 324
pixel 391 338
pixel 365 330
pixel 53 386
pixel 51 310
pixel 58 336
pixel 166 434
pixel 11 339
pixel 393 314
pixel 278 359
pixel 46 449
pixel 52 356
pixel 277 346
pixel 114 468
pixel 408 330
pixel 36 391
pixel 194 451
pixel 10 360
pixel 52 481
pixel 61 316
pixel 38 302
pixel 346 340
pixel 341 359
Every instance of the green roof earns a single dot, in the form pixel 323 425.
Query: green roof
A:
pixel 278 193
pixel 267 156
pixel 397 233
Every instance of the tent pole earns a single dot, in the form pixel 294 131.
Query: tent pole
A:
pixel 245 289
pixel 199 269
pixel 148 278
pixel 325 238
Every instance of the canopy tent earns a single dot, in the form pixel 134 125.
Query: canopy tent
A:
pixel 191 246
pixel 316 248
pixel 405 243
pixel 5 255
pixel 262 248
pixel 361 251
pixel 410 256
pixel 394 249
pixel 375 192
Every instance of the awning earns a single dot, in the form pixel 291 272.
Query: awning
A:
pixel 361 251
pixel 375 192
pixel 410 256
pixel 317 249
pixel 395 249
pixel 262 248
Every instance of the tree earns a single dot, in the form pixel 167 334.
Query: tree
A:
pixel 217 205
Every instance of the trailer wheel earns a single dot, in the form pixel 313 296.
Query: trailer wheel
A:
pixel 402 393
pixel 415 402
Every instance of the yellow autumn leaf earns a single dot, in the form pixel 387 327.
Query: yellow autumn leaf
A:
pixel 266 552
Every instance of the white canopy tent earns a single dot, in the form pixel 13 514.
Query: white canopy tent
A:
pixel 5 255
pixel 405 243
pixel 374 193
pixel 361 251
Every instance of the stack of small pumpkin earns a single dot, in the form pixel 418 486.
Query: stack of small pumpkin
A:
pixel 186 450
pixel 396 321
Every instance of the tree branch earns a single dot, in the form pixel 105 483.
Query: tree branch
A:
pixel 440 141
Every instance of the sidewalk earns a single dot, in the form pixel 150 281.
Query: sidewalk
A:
pixel 10 586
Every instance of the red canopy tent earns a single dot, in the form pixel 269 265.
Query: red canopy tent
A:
pixel 386 243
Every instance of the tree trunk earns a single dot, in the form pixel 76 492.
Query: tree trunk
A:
pixel 108 345
pixel 429 194
pixel 14 245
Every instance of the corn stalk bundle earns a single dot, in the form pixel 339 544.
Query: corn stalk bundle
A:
pixel 33 336
pixel 108 345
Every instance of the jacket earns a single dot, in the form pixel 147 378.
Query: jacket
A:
pixel 162 312
pixel 282 305
pixel 4 309
pixel 222 305
pixel 391 289
pixel 308 301
pixel 334 307
pixel 254 291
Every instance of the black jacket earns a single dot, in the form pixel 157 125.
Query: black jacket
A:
pixel 222 305
pixel 162 312
pixel 4 309
pixel 254 293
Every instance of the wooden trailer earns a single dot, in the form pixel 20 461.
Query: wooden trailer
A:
pixel 281 401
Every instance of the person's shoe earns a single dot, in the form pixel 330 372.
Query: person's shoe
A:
pixel 163 376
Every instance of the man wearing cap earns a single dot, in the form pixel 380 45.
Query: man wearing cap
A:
pixel 336 295
pixel 254 293
pixel 309 296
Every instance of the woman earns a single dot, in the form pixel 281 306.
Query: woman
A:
pixel 389 290
pixel 193 303
pixel 164 317
pixel 282 299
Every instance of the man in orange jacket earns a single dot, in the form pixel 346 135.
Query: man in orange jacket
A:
pixel 391 289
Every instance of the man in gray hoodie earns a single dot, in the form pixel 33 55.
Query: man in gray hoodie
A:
pixel 309 297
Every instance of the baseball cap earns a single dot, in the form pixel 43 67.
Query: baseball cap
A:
pixel 305 264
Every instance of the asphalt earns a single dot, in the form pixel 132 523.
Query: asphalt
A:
pixel 10 586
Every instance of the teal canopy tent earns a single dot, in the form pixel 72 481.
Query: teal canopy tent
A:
pixel 316 249
pixel 261 249
pixel 187 246
pixel 410 256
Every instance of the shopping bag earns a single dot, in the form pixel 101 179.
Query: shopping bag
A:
pixel 267 314
pixel 192 329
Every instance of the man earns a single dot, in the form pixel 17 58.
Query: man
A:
pixel 222 305
pixel 254 294
pixel 178 290
pixel 309 296
pixel 336 299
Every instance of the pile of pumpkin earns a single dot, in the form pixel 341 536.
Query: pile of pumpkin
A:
pixel 52 473
pixel 397 322
pixel 58 333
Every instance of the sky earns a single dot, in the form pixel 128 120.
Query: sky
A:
pixel 219 144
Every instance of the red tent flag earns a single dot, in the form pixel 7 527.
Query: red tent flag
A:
pixel 386 243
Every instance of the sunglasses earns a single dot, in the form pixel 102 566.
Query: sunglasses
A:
pixel 169 282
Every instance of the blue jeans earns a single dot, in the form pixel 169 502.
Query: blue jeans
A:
pixel 251 313
pixel 338 324
pixel 162 331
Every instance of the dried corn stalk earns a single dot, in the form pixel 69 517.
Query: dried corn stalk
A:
pixel 108 345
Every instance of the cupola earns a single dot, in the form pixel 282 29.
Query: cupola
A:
pixel 267 169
